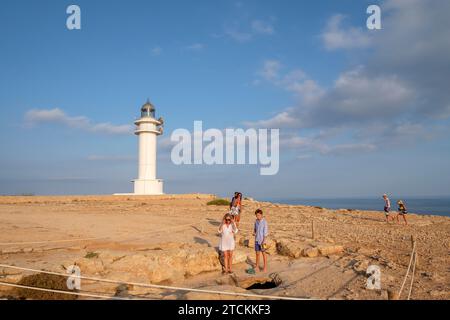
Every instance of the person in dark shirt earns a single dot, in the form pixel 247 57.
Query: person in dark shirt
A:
pixel 402 211
pixel 235 207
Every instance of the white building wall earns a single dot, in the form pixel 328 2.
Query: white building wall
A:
pixel 147 156
pixel 146 183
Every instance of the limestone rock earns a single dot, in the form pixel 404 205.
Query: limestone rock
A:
pixel 172 264
pixel 166 246
pixel 11 278
pixel 247 241
pixel 439 293
pixel 288 248
pixel 310 252
pixel 225 280
pixel 87 266
pixel 247 281
pixel 325 250
pixel 170 297
pixel 238 238
pixel 107 258
pixel 306 249
pixel 214 296
pixel 154 268
pixel 239 257
pixel 271 246
pixel 361 266
pixel 10 251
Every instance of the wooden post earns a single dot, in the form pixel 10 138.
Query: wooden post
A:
pixel 312 229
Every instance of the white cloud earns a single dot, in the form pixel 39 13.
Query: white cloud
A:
pixel 195 47
pixel 352 148
pixel 360 97
pixel 262 27
pixel 295 81
pixel 244 34
pixel 415 45
pixel 397 96
pixel 40 116
pixel 156 51
pixel 270 70
pixel 56 115
pixel 308 90
pixel 238 35
pixel 355 97
pixel 336 37
pixel 282 120
pixel 309 145
pixel 399 134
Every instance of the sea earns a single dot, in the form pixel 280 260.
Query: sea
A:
pixel 430 206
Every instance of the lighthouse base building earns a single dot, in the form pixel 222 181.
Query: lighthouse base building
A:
pixel 143 187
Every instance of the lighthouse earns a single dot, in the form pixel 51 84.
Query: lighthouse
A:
pixel 147 130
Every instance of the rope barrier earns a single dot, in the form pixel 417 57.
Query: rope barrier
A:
pixel 412 276
pixel 7 284
pixel 413 254
pixel 50 241
pixel 155 286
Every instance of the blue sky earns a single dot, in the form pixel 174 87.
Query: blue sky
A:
pixel 360 112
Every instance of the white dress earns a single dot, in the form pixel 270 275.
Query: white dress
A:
pixel 227 238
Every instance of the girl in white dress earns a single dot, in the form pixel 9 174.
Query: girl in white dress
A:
pixel 227 230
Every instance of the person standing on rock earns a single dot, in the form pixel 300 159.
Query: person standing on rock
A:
pixel 227 230
pixel 235 207
pixel 260 231
pixel 387 207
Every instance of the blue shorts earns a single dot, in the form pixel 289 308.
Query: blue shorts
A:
pixel 258 247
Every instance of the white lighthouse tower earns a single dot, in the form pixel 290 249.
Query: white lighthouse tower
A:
pixel 147 129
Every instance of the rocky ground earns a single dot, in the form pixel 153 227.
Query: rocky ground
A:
pixel 172 241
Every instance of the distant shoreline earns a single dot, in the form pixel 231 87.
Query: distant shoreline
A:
pixel 434 206
pixel 423 206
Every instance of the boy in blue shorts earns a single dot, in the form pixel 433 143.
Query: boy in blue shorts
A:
pixel 260 231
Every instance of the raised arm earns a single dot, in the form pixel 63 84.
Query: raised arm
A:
pixel 220 226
